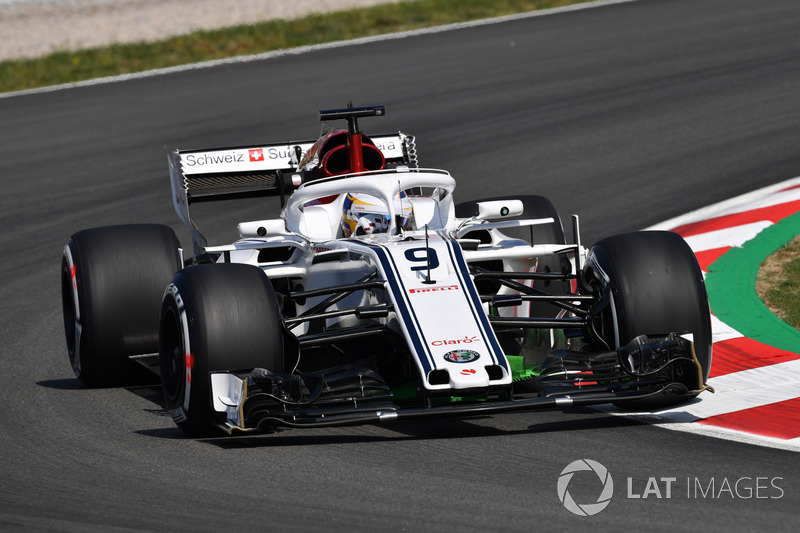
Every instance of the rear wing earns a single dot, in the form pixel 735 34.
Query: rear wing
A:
pixel 259 170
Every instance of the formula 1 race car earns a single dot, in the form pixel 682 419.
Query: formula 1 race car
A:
pixel 374 296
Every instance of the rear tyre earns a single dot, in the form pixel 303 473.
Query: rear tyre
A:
pixel 656 287
pixel 214 317
pixel 112 282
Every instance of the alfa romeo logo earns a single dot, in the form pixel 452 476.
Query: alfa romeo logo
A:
pixel 585 509
pixel 462 356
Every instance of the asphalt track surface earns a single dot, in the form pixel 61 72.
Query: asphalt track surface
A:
pixel 628 114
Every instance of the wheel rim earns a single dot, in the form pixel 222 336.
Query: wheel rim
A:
pixel 72 324
pixel 172 356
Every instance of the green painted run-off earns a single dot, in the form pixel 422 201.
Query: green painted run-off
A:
pixel 731 284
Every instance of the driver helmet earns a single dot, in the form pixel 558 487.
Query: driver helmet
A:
pixel 363 214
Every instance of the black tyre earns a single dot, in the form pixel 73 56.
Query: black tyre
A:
pixel 657 288
pixel 112 282
pixel 214 317
pixel 553 233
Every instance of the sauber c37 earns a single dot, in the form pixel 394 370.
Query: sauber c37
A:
pixel 375 296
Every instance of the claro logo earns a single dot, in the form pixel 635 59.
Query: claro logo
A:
pixel 465 340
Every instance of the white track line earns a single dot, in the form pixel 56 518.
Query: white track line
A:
pixel 720 331
pixel 734 236
pixel 741 390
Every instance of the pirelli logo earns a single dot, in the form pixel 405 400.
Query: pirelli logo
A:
pixel 434 289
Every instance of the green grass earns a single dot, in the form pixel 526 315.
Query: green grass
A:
pixel 779 287
pixel 73 66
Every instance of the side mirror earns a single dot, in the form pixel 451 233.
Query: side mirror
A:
pixel 500 209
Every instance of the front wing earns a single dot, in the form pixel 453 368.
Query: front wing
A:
pixel 642 371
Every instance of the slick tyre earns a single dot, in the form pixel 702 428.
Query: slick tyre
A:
pixel 214 317
pixel 112 281
pixel 656 287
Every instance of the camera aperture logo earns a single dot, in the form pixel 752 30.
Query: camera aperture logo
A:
pixel 585 509
pixel 593 478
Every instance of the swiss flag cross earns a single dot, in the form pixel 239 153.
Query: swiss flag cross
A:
pixel 256 155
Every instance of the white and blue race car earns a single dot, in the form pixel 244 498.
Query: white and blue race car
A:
pixel 374 296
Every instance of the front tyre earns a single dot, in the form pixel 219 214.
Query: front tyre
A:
pixel 655 286
pixel 112 281
pixel 214 317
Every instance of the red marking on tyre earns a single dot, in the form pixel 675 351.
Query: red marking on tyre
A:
pixel 189 364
